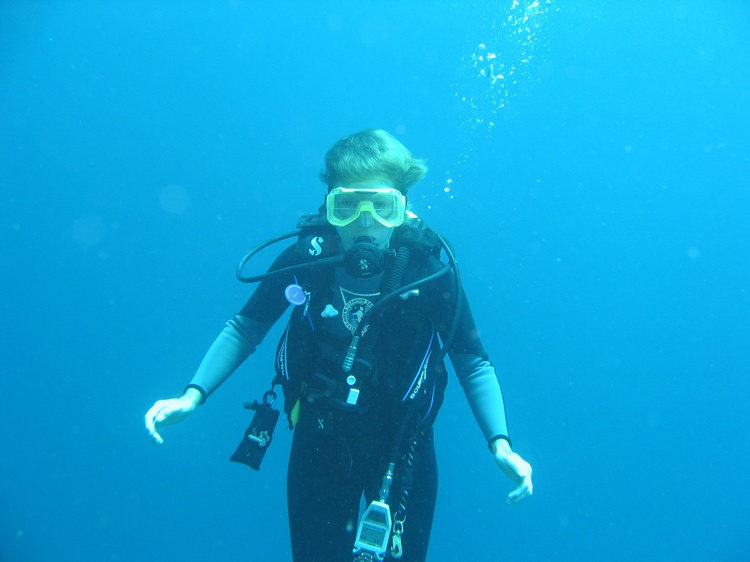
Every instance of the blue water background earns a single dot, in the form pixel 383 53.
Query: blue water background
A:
pixel 601 222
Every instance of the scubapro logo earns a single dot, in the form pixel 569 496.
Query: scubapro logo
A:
pixel 316 249
pixel 421 379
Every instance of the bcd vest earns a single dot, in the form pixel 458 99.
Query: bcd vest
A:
pixel 398 365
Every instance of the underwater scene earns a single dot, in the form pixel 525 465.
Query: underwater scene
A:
pixel 589 164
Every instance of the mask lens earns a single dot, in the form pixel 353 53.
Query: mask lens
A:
pixel 346 206
pixel 384 206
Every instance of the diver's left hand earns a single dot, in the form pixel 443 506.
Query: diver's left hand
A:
pixel 514 468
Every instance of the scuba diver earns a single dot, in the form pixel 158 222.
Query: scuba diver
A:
pixel 377 304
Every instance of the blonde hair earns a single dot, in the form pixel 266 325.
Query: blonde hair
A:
pixel 372 153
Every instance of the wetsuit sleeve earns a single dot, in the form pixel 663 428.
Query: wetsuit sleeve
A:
pixel 243 333
pixel 482 388
pixel 476 374
pixel 235 343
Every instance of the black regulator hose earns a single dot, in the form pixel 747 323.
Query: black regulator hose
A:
pixel 284 270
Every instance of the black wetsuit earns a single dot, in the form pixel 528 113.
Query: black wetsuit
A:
pixel 341 451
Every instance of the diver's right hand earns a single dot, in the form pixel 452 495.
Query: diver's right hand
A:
pixel 173 410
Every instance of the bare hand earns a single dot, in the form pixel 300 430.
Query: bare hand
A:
pixel 514 468
pixel 168 412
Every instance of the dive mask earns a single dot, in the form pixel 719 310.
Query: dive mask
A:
pixel 385 204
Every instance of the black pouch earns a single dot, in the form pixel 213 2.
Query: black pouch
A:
pixel 259 433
